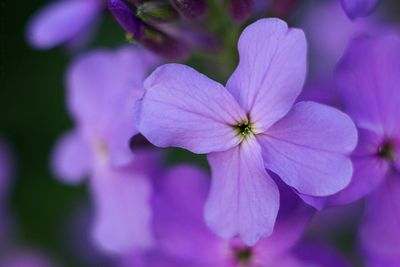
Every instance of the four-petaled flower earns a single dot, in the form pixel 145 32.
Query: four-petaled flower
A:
pixel 250 126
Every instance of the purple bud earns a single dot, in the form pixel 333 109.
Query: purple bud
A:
pixel 125 17
pixel 191 9
pixel 156 11
pixel 153 39
pixel 241 9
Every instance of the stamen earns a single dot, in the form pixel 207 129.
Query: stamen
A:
pixel 244 128
pixel 243 255
pixel 386 151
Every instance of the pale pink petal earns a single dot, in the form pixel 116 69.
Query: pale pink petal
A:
pixel 271 70
pixel 184 108
pixel 244 200
pixel 309 149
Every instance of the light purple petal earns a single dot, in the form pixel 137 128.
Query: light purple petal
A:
pixel 61 21
pixel 123 212
pixel 380 231
pixel 71 158
pixel 103 86
pixel 368 79
pixel 271 70
pixel 244 200
pixel 309 149
pixel 358 8
pixel 184 108
pixel 178 216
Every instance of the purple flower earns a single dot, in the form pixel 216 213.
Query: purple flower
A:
pixel 368 79
pixel 102 86
pixel 183 239
pixel 358 8
pixel 64 21
pixel 251 125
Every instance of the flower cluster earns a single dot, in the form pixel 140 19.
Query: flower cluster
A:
pixel 278 156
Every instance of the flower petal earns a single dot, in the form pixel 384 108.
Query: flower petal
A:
pixel 183 108
pixel 368 79
pixel 244 200
pixel 123 212
pixel 183 233
pixel 292 221
pixel 369 170
pixel 103 85
pixel 380 232
pixel 61 21
pixel 271 71
pixel 358 8
pixel 308 149
pixel 71 158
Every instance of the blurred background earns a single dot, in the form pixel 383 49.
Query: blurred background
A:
pixel 33 115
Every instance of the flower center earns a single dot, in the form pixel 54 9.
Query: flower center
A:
pixel 386 151
pixel 244 129
pixel 243 255
pixel 102 150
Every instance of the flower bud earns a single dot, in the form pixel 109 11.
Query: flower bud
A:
pixel 153 39
pixel 191 9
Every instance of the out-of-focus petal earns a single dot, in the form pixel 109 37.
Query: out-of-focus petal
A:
pixel 244 200
pixel 358 8
pixel 183 108
pixel 71 158
pixel 103 87
pixel 369 170
pixel 380 231
pixel 123 211
pixel 61 21
pixel 368 79
pixel 271 70
pixel 328 32
pixel 293 218
pixel 178 216
pixel 309 149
